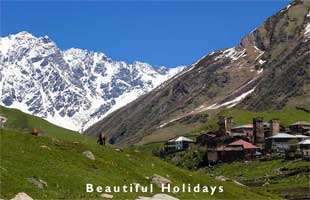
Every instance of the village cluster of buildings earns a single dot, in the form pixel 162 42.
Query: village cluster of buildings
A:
pixel 247 141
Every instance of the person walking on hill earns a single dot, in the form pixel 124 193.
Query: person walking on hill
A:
pixel 101 139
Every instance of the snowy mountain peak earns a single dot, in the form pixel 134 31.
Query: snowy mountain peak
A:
pixel 23 34
pixel 72 88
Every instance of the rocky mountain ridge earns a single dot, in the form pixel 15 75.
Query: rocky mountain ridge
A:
pixel 72 88
pixel 269 69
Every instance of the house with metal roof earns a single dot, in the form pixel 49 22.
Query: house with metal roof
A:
pixel 242 128
pixel 305 148
pixel 304 142
pixel 178 144
pixel 243 131
pixel 300 127
pixel 282 141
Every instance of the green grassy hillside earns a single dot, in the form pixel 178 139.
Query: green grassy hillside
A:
pixel 60 163
pixel 289 179
pixel 56 157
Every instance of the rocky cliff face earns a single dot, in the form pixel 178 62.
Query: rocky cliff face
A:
pixel 285 39
pixel 267 70
pixel 72 88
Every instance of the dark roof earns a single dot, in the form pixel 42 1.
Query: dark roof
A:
pixel 208 134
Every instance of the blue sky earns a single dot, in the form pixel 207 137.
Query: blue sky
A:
pixel 160 33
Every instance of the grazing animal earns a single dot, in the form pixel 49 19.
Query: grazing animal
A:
pixel 35 132
pixel 101 139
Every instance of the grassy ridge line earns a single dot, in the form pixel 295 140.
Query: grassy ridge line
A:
pixel 66 171
pixel 18 120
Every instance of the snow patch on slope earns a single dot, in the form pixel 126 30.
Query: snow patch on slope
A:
pixel 232 53
pixel 227 104
pixel 307 31
pixel 232 103
pixel 307 28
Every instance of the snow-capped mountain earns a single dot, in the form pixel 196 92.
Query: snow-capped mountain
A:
pixel 72 88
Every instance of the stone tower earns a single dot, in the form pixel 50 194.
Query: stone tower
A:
pixel 222 124
pixel 225 124
pixel 230 123
pixel 258 131
pixel 274 127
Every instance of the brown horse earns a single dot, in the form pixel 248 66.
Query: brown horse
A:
pixel 35 132
pixel 101 139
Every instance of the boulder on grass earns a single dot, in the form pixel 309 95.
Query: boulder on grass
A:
pixel 38 182
pixel 159 180
pixel 266 184
pixel 22 196
pixel 163 197
pixel 221 178
pixel 158 197
pixel 45 147
pixel 89 155
pixel 107 196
